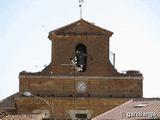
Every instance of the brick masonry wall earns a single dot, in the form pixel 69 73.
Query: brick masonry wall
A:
pixel 61 106
pixel 63 50
pixel 96 86
pixel 106 88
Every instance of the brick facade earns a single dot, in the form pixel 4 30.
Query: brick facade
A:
pixel 63 105
pixel 104 87
pixel 61 86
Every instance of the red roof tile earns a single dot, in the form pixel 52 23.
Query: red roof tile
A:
pixel 135 109
pixel 32 116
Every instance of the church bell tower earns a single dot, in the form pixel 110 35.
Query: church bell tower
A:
pixel 80 82
pixel 84 45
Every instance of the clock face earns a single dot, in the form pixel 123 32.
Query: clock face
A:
pixel 81 87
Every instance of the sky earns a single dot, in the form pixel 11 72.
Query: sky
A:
pixel 25 24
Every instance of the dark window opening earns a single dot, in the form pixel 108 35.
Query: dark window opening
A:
pixel 81 116
pixel 81 57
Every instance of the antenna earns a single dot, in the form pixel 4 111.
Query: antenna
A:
pixel 80 6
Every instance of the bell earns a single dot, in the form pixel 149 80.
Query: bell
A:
pixel 81 59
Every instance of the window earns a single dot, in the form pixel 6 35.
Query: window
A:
pixel 81 116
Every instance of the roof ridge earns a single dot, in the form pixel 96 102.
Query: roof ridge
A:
pixel 146 99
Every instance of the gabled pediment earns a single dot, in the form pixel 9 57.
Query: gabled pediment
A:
pixel 81 27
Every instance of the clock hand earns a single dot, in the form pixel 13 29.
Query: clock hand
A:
pixel 82 85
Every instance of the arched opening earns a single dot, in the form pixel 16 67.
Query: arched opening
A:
pixel 81 57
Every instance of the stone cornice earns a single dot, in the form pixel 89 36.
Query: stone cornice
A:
pixel 84 77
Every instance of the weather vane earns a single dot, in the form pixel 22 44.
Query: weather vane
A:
pixel 80 5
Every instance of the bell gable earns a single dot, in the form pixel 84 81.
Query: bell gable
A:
pixel 80 27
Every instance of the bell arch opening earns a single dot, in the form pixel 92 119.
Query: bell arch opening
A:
pixel 81 57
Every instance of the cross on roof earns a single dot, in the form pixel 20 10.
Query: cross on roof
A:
pixel 80 6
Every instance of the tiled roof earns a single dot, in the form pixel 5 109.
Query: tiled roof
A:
pixel 8 103
pixel 2 114
pixel 32 116
pixel 135 109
